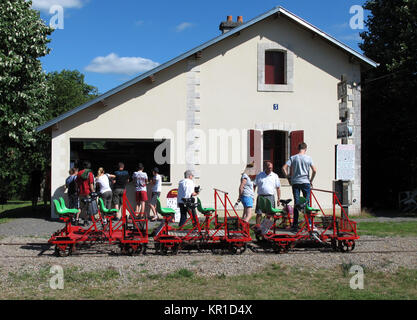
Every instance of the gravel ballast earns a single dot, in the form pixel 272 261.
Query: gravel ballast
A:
pixel 372 253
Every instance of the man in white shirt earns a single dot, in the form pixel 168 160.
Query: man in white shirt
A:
pixel 186 189
pixel 267 182
pixel 141 180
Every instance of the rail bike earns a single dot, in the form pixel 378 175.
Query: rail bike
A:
pixel 318 229
pixel 219 229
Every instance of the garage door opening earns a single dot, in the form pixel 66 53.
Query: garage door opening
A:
pixel 107 153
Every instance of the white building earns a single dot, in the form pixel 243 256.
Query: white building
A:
pixel 265 85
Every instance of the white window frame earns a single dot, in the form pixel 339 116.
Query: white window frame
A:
pixel 288 65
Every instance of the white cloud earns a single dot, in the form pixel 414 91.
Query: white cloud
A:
pixel 45 5
pixel 120 65
pixel 182 26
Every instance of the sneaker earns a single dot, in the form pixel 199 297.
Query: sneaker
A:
pixel 294 229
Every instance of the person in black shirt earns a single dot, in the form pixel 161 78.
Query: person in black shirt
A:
pixel 35 186
pixel 119 186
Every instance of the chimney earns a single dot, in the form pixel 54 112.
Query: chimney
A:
pixel 229 24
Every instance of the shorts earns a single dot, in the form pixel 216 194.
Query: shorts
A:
pixel 247 201
pixel 118 196
pixel 141 196
pixel 73 201
pixel 271 198
pixel 155 195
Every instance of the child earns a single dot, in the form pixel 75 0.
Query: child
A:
pixel 156 192
pixel 141 180
pixel 73 198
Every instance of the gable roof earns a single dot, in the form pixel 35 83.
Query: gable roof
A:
pixel 276 10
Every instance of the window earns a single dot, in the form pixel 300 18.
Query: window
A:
pixel 274 67
pixel 107 153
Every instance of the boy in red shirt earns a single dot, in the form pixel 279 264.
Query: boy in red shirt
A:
pixel 85 182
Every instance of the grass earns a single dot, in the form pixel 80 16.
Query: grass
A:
pixel 386 229
pixel 21 209
pixel 273 282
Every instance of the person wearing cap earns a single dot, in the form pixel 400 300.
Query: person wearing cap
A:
pixel 186 189
pixel 156 192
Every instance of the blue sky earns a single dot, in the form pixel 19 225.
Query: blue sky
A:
pixel 113 41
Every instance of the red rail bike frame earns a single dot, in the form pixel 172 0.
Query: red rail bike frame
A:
pixel 240 235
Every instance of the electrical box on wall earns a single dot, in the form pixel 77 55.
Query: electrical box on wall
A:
pixel 343 191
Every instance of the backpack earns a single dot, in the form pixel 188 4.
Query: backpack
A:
pixel 85 174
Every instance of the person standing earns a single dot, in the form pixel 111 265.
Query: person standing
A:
pixel 246 193
pixel 103 186
pixel 156 192
pixel 35 186
pixel 85 184
pixel 300 179
pixel 47 189
pixel 186 189
pixel 73 197
pixel 267 183
pixel 119 186
pixel 141 180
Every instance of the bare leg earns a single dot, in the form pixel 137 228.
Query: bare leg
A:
pixel 247 214
pixel 155 214
pixel 142 206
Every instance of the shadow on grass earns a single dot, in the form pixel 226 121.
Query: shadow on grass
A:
pixel 41 212
pixel 387 213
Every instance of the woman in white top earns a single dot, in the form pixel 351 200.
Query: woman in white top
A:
pixel 156 192
pixel 103 184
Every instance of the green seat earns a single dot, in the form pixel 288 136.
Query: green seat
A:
pixel 163 211
pixel 105 210
pixel 205 211
pixel 63 206
pixel 63 212
pixel 269 209
pixel 308 208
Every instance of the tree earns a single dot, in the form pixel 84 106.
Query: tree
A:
pixel 23 90
pixel 390 101
pixel 68 90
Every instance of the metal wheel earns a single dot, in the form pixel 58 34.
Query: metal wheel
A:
pixel 276 247
pixel 333 243
pixel 346 245
pixel 237 248
pixel 169 248
pixel 63 250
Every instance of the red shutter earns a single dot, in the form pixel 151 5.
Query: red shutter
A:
pixel 296 138
pixel 255 150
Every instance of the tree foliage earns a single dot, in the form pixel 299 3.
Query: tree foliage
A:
pixel 390 101
pixel 68 90
pixel 23 90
